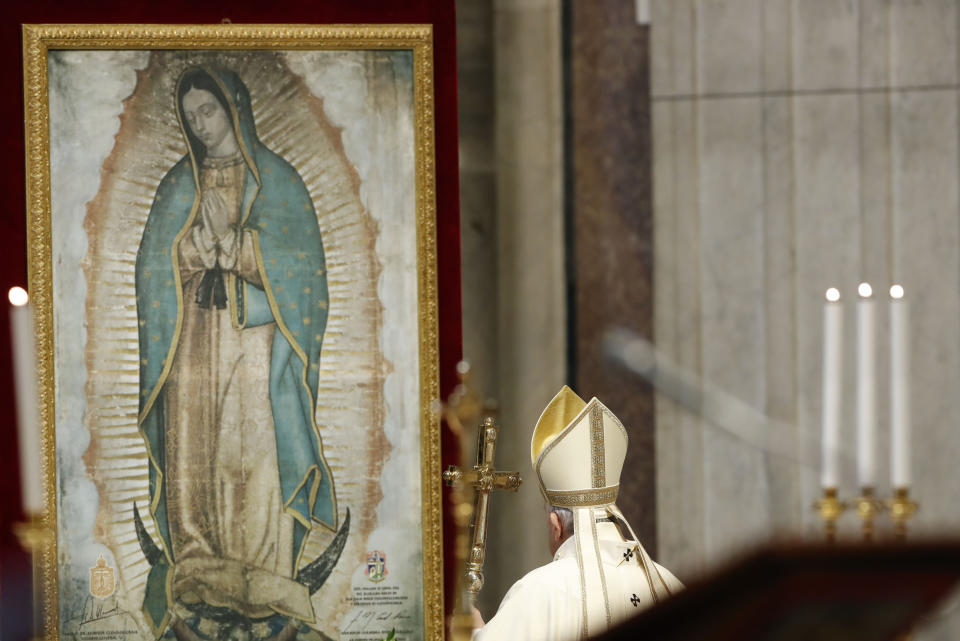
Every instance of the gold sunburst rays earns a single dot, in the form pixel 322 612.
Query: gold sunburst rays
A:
pixel 348 233
pixel 130 371
pixel 125 352
pixel 118 407
pixel 122 494
pixel 339 206
pixel 116 351
pixel 122 481
pixel 119 437
pixel 119 477
pixel 119 360
pixel 128 453
pixel 325 183
pixel 122 430
pixel 138 577
pixel 330 197
pixel 116 404
pixel 114 417
pixel 125 259
pixel 120 291
pixel 130 556
pixel 311 165
pixel 124 461
pixel 122 513
pixel 129 541
pixel 122 306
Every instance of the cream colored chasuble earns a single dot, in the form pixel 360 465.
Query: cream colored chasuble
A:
pixel 547 603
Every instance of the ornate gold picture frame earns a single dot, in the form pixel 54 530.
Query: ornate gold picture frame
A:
pixel 232 259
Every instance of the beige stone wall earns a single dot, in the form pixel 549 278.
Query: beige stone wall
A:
pixel 514 323
pixel 798 145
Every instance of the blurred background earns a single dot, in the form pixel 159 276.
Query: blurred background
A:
pixel 700 172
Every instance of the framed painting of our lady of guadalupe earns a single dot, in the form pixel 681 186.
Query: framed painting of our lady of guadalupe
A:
pixel 232 255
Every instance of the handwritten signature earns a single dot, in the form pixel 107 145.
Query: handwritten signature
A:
pixel 97 611
pixel 374 620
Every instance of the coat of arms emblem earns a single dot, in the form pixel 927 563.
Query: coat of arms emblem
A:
pixel 376 566
pixel 102 581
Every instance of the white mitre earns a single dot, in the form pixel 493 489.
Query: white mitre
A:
pixel 577 451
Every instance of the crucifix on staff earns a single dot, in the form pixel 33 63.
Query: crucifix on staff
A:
pixel 464 408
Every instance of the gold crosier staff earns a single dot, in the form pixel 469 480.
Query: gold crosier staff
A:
pixel 472 490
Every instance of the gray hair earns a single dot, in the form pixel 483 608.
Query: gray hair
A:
pixel 566 518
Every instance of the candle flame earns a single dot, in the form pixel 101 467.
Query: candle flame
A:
pixel 833 294
pixel 865 290
pixel 896 291
pixel 18 296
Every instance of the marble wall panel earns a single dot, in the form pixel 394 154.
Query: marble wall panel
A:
pixel 668 450
pixel 686 190
pixel 923 42
pixel 729 46
pixel 679 434
pixel 779 261
pixel 925 205
pixel 826 161
pixel 673 57
pixel 876 187
pixel 873 43
pixel 665 221
pixel 732 318
pixel 776 47
pixel 779 312
pixel 731 197
pixel 825 44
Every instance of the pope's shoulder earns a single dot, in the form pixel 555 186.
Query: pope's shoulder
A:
pixel 673 583
pixel 556 576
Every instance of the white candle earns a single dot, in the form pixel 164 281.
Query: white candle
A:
pixel 899 389
pixel 866 389
pixel 25 377
pixel 832 377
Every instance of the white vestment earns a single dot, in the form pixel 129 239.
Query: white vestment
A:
pixel 546 604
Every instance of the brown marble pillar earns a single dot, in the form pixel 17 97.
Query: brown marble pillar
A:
pixel 609 225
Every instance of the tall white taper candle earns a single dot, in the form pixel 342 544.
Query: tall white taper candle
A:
pixel 25 377
pixel 899 389
pixel 832 377
pixel 866 388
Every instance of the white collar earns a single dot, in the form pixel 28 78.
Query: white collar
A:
pixel 567 549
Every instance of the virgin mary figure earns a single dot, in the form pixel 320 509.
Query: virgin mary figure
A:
pixel 232 305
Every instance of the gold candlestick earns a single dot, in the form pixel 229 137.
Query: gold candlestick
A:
pixel 830 508
pixel 901 509
pixel 868 507
pixel 35 537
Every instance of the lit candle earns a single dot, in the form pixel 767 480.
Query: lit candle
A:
pixel 832 376
pixel 25 377
pixel 866 389
pixel 899 389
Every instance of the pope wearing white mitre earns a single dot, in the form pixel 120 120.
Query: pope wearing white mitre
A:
pixel 600 574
